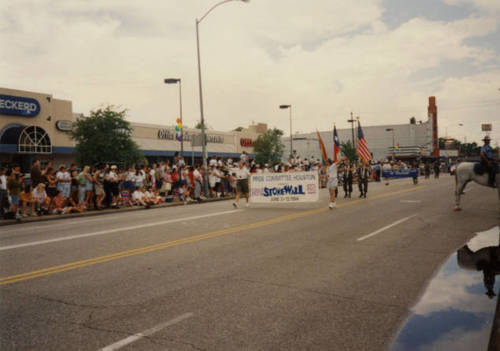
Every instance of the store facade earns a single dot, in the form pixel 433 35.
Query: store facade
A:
pixel 36 125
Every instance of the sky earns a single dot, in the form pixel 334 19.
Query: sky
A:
pixel 380 59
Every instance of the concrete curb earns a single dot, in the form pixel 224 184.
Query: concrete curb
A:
pixel 5 222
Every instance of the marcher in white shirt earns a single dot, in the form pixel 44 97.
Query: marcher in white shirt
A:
pixel 332 174
pixel 241 183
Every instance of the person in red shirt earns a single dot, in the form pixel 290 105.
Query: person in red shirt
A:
pixel 60 205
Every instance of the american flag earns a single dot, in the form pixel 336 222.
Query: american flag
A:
pixel 336 144
pixel 362 147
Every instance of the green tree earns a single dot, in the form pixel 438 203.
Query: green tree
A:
pixel 268 147
pixel 105 136
pixel 239 129
pixel 348 150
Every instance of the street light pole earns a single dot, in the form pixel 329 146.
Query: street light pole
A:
pixel 175 81
pixel 202 118
pixel 291 135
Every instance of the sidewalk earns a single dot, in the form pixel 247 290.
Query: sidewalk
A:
pixel 4 222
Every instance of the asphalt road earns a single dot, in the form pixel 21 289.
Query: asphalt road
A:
pixel 208 277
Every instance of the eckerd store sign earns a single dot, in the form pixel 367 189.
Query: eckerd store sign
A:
pixel 19 106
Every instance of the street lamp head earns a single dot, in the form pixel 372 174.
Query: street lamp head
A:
pixel 172 80
pixel 284 106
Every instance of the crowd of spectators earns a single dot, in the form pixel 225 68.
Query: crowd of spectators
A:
pixel 49 190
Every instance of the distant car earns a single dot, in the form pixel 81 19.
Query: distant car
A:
pixel 452 169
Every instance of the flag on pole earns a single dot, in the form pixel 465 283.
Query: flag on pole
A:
pixel 362 147
pixel 322 148
pixel 336 144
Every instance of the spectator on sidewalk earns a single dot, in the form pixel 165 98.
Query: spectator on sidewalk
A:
pixel 4 200
pixel 139 198
pixel 198 181
pixel 36 173
pixel 63 181
pixel 115 189
pixel 26 198
pixel 41 199
pixel 74 190
pixel 60 205
pixel 14 189
pixel 98 179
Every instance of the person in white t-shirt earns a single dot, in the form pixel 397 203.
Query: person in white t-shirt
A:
pixel 63 181
pixel 198 181
pixel 332 174
pixel 242 174
pixel 138 197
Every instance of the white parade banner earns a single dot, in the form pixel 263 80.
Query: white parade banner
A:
pixel 284 187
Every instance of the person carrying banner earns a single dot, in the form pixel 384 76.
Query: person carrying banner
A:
pixel 331 173
pixel 241 183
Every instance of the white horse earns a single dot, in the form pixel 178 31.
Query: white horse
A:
pixel 464 174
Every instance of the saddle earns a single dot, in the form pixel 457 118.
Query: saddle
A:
pixel 480 168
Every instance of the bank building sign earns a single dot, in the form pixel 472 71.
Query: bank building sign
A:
pixel 168 134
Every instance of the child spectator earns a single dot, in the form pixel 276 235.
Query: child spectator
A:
pixel 151 198
pixel 138 197
pixel 60 205
pixel 126 198
pixel 40 198
pixel 26 197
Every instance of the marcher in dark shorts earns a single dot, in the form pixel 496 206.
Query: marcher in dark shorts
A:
pixel 242 174
pixel 242 186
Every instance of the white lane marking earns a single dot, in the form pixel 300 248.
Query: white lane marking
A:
pixel 409 201
pixel 109 231
pixel 385 228
pixel 119 344
pixel 67 222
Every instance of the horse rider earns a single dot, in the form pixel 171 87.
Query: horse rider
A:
pixel 487 161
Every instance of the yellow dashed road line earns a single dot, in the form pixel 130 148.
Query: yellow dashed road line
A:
pixel 102 259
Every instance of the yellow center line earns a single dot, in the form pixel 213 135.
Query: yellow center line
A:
pixel 102 259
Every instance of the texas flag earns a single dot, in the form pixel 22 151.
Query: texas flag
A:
pixel 336 144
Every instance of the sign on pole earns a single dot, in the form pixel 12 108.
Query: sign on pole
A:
pixel 197 140
pixel 284 187
pixel 486 127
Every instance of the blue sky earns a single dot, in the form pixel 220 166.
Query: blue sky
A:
pixel 381 59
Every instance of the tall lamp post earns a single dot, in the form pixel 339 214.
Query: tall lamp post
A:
pixel 175 81
pixel 352 120
pixel 393 145
pixel 284 107
pixel 202 119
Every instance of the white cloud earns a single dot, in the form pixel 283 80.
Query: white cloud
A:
pixel 325 60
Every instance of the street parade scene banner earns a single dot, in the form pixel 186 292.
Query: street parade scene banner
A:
pixel 402 173
pixel 284 187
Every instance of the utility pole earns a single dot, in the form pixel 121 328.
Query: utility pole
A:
pixel 352 120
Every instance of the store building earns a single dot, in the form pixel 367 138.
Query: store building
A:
pixel 36 125
pixel 403 141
